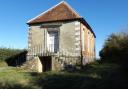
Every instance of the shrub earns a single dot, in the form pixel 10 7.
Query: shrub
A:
pixel 13 57
pixel 115 49
pixel 7 52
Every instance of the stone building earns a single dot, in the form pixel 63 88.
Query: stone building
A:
pixel 60 37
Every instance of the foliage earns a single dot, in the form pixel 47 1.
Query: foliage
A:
pixel 12 57
pixel 8 52
pixel 17 59
pixel 115 49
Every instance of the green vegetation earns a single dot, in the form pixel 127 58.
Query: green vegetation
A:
pixel 8 52
pixel 10 78
pixel 96 76
pixel 115 50
pixel 10 56
pixel 108 73
pixel 3 64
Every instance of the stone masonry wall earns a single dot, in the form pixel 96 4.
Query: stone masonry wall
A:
pixel 69 43
pixel 89 43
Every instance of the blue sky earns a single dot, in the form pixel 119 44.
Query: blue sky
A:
pixel 104 16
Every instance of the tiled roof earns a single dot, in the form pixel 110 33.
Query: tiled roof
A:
pixel 61 11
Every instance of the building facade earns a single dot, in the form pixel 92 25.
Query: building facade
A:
pixel 60 37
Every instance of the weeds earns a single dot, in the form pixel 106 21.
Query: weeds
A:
pixel 96 76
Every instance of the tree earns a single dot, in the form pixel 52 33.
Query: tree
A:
pixel 115 49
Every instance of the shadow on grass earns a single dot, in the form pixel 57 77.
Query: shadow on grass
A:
pixel 65 81
pixel 94 77
pixel 105 76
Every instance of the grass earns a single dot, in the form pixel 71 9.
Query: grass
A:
pixel 11 79
pixel 3 64
pixel 95 76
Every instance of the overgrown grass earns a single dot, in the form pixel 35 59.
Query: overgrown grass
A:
pixel 3 64
pixel 11 79
pixel 96 76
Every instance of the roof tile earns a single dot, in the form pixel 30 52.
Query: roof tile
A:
pixel 62 11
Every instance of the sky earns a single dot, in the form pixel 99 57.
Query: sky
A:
pixel 104 16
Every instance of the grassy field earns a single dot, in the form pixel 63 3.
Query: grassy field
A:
pixel 95 76
pixel 3 64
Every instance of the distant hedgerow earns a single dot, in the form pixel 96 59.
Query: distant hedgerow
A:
pixel 5 53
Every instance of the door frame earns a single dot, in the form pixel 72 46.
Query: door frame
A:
pixel 52 32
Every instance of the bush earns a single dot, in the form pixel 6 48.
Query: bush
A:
pixel 8 52
pixel 115 49
pixel 13 57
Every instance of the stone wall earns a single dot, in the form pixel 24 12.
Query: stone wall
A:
pixel 70 34
pixel 33 65
pixel 89 44
pixel 67 36
pixel 68 41
pixel 36 39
